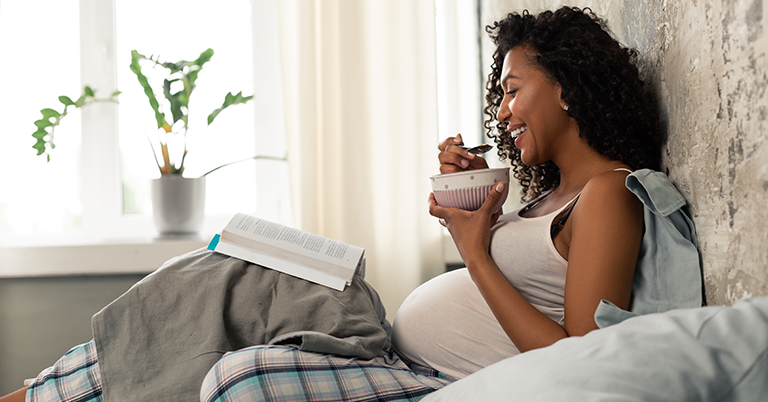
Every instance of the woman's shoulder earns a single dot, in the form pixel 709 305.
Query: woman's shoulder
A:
pixel 612 182
pixel 607 193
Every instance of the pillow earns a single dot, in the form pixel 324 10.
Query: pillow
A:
pixel 700 354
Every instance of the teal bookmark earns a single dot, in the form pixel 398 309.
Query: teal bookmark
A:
pixel 214 242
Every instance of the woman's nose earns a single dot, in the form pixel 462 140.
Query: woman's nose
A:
pixel 504 110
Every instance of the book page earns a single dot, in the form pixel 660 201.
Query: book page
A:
pixel 292 244
pixel 283 266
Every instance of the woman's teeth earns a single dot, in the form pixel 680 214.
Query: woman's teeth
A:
pixel 516 132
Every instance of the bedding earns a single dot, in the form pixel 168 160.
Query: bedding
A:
pixel 159 339
pixel 700 354
pixel 279 373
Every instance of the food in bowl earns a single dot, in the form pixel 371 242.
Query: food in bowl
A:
pixel 468 189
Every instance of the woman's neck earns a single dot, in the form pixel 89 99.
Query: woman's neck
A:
pixel 579 165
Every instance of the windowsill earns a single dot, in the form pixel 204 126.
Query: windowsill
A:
pixel 125 256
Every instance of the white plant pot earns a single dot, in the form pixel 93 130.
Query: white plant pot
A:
pixel 178 205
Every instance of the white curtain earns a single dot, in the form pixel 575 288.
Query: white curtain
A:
pixel 359 91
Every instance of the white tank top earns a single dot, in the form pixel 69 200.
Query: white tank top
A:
pixel 447 325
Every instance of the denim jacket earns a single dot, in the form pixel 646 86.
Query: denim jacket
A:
pixel 668 273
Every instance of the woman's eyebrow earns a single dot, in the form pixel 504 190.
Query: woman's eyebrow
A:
pixel 508 77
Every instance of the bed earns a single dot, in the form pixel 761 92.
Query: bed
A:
pixel 697 354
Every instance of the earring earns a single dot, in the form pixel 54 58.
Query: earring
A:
pixel 565 107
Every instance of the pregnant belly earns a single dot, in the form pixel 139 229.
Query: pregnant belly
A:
pixel 446 324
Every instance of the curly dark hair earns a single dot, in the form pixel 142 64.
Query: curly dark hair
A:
pixel 614 108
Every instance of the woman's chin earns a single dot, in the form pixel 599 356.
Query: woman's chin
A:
pixel 527 159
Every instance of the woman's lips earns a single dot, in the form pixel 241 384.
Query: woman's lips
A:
pixel 518 133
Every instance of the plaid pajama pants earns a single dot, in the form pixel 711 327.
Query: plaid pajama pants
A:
pixel 259 373
pixel 75 377
pixel 277 373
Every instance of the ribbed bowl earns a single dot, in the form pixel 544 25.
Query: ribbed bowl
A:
pixel 468 190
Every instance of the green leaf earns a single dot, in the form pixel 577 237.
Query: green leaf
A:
pixel 138 56
pixel 229 100
pixel 116 93
pixel 175 100
pixel 183 97
pixel 43 123
pixel 48 113
pixel 204 57
pixel 88 91
pixel 136 68
pixel 66 101
pixel 40 134
pixel 176 67
pixel 40 147
pixel 80 101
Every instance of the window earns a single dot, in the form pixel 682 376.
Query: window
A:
pixel 460 84
pixel 462 63
pixel 96 185
pixel 464 53
pixel 35 197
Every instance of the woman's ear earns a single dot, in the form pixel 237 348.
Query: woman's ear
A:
pixel 559 91
pixel 563 104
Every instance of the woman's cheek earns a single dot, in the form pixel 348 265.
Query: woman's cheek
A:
pixel 512 107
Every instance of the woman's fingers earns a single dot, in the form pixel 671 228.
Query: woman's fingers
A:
pixel 452 163
pixel 493 198
pixel 434 209
pixel 457 140
pixel 444 214
pixel 453 158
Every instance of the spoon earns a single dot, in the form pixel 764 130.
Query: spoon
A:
pixel 478 149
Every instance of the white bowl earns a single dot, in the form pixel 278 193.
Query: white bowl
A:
pixel 468 190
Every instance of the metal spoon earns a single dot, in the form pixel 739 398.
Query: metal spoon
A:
pixel 478 149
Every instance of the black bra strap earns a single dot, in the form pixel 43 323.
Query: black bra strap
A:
pixel 558 226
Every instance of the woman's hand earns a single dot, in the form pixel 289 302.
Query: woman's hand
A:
pixel 470 230
pixel 456 159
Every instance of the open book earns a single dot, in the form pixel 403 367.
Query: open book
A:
pixel 305 255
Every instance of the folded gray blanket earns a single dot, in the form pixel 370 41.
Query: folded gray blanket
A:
pixel 159 339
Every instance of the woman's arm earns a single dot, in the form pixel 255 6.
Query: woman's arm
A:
pixel 606 226
pixel 607 230
pixel 18 396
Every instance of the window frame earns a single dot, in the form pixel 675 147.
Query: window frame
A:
pixel 102 214
pixel 109 241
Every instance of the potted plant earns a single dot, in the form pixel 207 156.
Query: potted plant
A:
pixel 178 202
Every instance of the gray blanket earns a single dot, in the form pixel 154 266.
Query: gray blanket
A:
pixel 159 339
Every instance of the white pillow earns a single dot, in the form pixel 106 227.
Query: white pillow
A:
pixel 702 354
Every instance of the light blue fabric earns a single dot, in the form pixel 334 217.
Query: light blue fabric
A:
pixel 709 354
pixel 668 273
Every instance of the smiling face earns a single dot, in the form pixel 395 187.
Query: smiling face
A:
pixel 532 108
